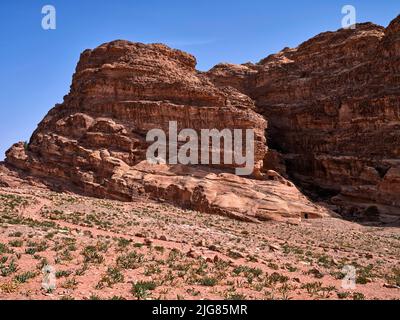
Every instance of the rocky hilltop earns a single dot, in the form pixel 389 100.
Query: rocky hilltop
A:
pixel 332 107
pixel 95 141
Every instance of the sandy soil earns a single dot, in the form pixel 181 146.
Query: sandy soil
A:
pixel 102 249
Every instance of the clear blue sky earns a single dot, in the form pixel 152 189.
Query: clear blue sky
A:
pixel 37 65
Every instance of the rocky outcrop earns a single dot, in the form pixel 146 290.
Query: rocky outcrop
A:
pixel 96 139
pixel 333 112
pixel 333 107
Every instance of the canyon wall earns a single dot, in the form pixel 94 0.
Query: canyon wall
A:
pixel 333 107
pixel 95 141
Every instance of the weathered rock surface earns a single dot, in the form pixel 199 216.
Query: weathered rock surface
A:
pixel 333 107
pixel 95 140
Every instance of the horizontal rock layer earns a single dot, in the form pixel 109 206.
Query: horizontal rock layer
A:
pixel 333 107
pixel 95 140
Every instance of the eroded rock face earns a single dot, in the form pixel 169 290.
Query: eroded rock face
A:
pixel 333 107
pixel 95 139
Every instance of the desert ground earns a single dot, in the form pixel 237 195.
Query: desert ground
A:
pixel 104 249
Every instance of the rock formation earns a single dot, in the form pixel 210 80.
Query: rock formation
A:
pixel 333 113
pixel 95 141
pixel 333 108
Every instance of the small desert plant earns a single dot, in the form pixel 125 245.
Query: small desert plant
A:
pixel 4 248
pixel 16 234
pixel 394 278
pixel 82 270
pixel 112 277
pixel 276 278
pixel 235 296
pixel 312 287
pixel 91 255
pixel 343 295
pixel 123 243
pixel 16 243
pixel 24 277
pixel 152 269
pixel 208 281
pixel 132 260
pixel 364 274
pixel 358 296
pixel 63 273
pixel 141 289
pixel 7 270
pixel 70 284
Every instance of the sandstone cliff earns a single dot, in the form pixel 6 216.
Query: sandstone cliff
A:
pixel 333 107
pixel 333 113
pixel 95 140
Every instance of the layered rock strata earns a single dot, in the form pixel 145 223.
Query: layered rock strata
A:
pixel 95 140
pixel 333 107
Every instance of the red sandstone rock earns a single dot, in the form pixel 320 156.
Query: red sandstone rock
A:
pixel 95 140
pixel 333 107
